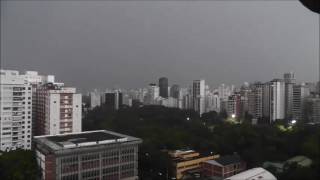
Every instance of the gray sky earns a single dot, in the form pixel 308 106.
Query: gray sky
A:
pixel 130 44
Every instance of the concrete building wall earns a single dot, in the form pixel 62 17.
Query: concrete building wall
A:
pixel 76 113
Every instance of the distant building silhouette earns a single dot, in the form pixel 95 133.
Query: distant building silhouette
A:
pixel 175 91
pixel 163 85
pixel 113 100
pixel 198 95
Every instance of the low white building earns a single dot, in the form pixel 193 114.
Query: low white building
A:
pixel 253 174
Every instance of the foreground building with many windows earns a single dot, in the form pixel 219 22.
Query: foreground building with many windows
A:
pixel 15 111
pixel 103 155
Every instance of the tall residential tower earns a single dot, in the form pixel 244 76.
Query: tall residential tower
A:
pixel 198 96
pixel 163 86
pixel 15 111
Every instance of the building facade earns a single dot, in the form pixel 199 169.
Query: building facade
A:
pixel 102 155
pixel 113 100
pixel 152 94
pixel 95 99
pixel 274 100
pixel 198 96
pixel 184 161
pixel 175 91
pixel 277 100
pixel 300 93
pixel 58 110
pixel 255 101
pixel 289 81
pixel 15 111
pixel 312 110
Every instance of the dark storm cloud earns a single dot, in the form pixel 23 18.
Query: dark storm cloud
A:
pixel 129 44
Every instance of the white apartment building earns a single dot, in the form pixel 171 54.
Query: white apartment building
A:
pixel 152 94
pixel 36 80
pixel 95 99
pixel 277 100
pixel 58 110
pixel 15 111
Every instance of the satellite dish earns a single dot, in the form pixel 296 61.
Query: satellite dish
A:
pixel 313 5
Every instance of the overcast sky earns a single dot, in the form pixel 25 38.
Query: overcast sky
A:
pixel 130 44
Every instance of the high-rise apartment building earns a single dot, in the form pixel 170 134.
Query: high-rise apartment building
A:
pixel 277 99
pixel 274 100
pixel 266 100
pixel 113 100
pixel 312 112
pixel 225 91
pixel 152 94
pixel 198 96
pixel 300 93
pixel 58 109
pixel 234 106
pixel 289 81
pixel 15 111
pixel 163 86
pixel 95 99
pixel 255 100
pixel 175 91
pixel 36 80
pixel 103 155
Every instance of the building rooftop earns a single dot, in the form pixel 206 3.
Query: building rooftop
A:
pixel 82 139
pixel 253 174
pixel 300 160
pixel 225 160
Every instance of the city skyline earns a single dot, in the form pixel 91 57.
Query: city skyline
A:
pixel 154 90
pixel 198 45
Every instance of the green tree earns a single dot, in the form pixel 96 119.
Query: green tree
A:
pixel 19 165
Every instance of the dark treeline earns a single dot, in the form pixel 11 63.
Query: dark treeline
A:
pixel 19 165
pixel 168 128
pixel 164 129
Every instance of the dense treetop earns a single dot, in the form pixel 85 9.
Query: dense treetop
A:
pixel 164 129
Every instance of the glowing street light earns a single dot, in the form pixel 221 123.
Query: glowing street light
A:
pixel 233 116
pixel 293 121
pixel 188 119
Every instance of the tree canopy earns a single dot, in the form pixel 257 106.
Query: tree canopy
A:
pixel 164 129
pixel 18 165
